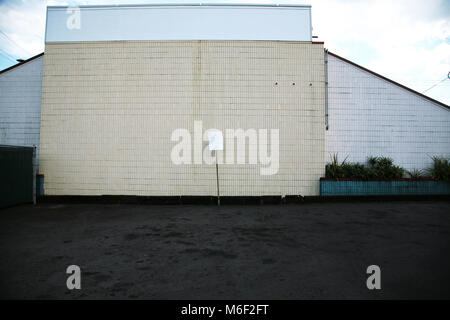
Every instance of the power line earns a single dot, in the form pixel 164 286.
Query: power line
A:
pixel 448 77
pixel 13 42
pixel 7 56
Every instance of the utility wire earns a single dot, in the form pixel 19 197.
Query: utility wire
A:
pixel 448 77
pixel 7 54
pixel 3 53
pixel 13 42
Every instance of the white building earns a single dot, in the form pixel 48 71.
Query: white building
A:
pixel 370 115
pixel 20 103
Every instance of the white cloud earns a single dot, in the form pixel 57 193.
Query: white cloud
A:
pixel 22 24
pixel 408 39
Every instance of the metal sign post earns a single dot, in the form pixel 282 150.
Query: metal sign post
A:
pixel 34 174
pixel 217 177
pixel 215 138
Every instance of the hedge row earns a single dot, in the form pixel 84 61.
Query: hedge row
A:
pixel 382 168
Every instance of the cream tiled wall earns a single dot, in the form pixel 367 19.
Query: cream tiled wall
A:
pixel 109 109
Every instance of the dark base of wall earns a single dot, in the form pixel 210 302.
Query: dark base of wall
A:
pixel 206 200
pixel 171 200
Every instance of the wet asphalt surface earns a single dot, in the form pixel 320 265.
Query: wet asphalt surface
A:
pixel 299 251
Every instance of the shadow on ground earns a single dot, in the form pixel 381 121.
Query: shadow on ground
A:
pixel 310 251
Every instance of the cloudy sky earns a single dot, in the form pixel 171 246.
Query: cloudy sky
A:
pixel 405 40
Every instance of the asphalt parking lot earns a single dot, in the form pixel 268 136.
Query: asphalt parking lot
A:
pixel 298 251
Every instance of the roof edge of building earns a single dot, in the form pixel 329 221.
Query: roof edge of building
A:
pixel 192 4
pixel 21 63
pixel 391 81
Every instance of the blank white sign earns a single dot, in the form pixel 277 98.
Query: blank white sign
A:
pixel 215 138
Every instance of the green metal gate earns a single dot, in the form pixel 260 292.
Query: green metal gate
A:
pixel 16 175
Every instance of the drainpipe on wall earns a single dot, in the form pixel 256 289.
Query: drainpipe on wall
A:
pixel 326 88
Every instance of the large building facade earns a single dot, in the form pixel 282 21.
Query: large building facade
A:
pixel 120 84
pixel 111 107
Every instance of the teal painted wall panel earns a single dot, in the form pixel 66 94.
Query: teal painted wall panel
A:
pixel 374 188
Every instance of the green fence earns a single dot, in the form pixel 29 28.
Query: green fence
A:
pixel 16 175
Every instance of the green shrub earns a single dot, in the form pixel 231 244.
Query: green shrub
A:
pixel 334 169
pixel 379 168
pixel 354 171
pixel 440 169
pixel 384 168
pixel 416 174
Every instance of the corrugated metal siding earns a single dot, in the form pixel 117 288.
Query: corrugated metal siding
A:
pixel 109 110
pixel 20 104
pixel 369 116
